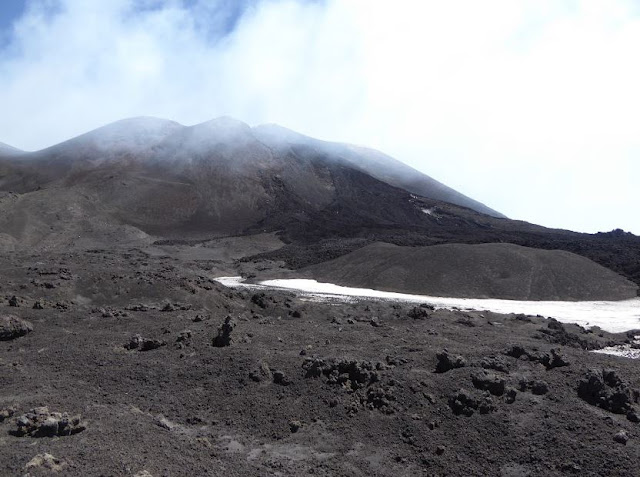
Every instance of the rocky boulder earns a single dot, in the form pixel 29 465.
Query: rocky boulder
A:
pixel 447 362
pixel 605 389
pixel 40 422
pixel 140 343
pixel 12 327
pixel 223 338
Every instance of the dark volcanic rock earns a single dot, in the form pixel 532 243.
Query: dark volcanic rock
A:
pixel 537 387
pixel 140 343
pixel 464 403
pixel 447 362
pixel 260 299
pixel 279 377
pixel 350 373
pixel 557 333
pixel 420 312
pixel 621 437
pixel 183 339
pixel 262 372
pixel 223 338
pixel 518 352
pixel 39 422
pixel 294 426
pixel 489 382
pixel 498 363
pixel 553 359
pixel 381 398
pixel 12 327
pixel 140 307
pixel 605 389
pixel 510 395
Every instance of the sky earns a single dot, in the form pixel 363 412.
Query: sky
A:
pixel 529 106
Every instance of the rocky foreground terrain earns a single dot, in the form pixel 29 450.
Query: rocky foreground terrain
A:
pixel 136 362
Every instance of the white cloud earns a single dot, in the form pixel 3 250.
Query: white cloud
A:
pixel 530 106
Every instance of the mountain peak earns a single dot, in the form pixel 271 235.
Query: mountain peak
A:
pixel 136 129
pixel 126 135
pixel 223 123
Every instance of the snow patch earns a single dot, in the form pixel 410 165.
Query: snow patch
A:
pixel 612 316
pixel 631 351
pixel 232 282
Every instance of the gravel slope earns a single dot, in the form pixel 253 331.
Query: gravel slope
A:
pixel 477 271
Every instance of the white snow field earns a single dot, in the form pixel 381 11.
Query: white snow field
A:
pixel 612 316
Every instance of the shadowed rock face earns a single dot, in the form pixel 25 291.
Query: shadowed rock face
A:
pixel 476 271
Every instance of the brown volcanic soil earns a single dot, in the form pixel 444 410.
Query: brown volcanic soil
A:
pixel 305 388
pixel 494 270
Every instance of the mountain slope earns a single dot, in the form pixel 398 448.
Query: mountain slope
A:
pixel 374 163
pixel 495 270
pixel 6 150
pixel 145 179
pixel 216 178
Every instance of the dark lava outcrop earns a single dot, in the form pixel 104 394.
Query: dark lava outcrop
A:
pixel 464 403
pixel 140 343
pixel 224 338
pixel 40 422
pixel 447 362
pixel 605 389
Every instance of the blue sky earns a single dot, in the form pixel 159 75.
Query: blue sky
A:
pixel 10 10
pixel 530 106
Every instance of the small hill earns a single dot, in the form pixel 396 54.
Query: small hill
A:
pixel 494 270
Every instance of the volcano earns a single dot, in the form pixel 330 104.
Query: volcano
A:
pixel 216 178
pixel 147 180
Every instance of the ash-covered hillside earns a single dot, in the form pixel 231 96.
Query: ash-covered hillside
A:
pixel 219 177
pixel 144 180
pixel 497 270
